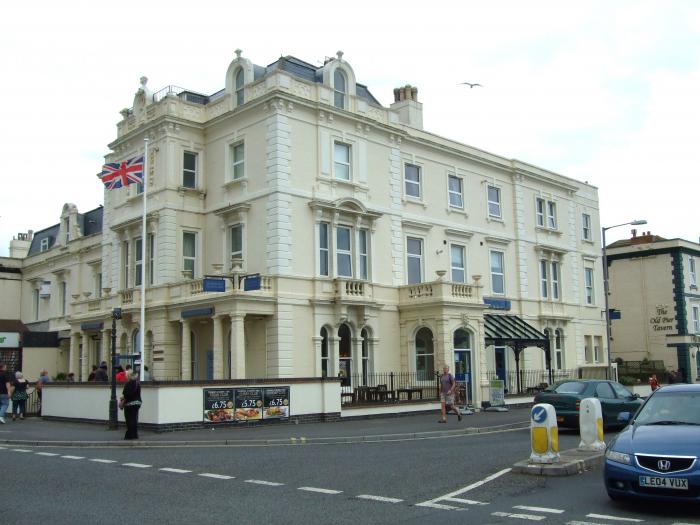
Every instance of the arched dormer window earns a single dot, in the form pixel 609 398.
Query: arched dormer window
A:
pixel 340 87
pixel 240 99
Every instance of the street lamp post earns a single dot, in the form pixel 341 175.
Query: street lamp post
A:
pixel 606 289
pixel 113 423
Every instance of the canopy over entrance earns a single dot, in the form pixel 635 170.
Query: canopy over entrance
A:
pixel 510 330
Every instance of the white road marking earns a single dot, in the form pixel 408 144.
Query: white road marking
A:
pixel 530 517
pixel 175 470
pixel 215 476
pixel 73 457
pixel 465 501
pixel 20 450
pixel 539 509
pixel 322 491
pixel 136 465
pixel 614 518
pixel 263 482
pixel 584 523
pixel 379 498
pixel 97 460
pixel 438 506
pixel 451 495
pixel 46 454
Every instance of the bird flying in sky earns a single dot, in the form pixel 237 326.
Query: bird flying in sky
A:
pixel 471 85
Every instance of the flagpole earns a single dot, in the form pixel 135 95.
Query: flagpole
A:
pixel 144 261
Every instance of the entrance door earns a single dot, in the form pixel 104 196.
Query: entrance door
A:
pixel 500 354
pixel 463 373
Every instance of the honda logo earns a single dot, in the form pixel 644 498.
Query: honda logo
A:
pixel 664 464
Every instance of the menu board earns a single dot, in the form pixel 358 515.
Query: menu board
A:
pixel 245 404
pixel 248 404
pixel 218 405
pixel 276 403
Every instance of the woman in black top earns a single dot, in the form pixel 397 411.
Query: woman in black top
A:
pixel 19 396
pixel 132 402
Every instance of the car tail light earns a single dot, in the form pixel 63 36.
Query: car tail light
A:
pixel 578 404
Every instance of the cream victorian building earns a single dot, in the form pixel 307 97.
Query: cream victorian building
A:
pixel 380 246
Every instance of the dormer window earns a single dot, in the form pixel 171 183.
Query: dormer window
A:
pixel 340 87
pixel 239 88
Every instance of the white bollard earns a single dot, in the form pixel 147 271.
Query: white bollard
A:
pixel 590 422
pixel 544 434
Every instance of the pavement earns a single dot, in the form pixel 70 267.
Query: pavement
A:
pixel 38 432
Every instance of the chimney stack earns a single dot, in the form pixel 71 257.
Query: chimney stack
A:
pixel 407 110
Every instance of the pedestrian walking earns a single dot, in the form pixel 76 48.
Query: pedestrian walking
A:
pixel 122 374
pixel 131 403
pixel 101 374
pixel 447 394
pixel 653 382
pixel 19 396
pixel 5 390
pixel 43 379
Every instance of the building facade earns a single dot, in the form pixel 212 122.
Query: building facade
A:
pixel 379 245
pixel 654 286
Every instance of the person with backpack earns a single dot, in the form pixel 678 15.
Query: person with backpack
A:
pixel 448 385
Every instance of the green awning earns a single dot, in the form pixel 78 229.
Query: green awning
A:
pixel 511 330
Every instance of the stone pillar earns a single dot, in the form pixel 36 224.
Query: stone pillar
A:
pixel 443 345
pixel 186 356
pixel 218 348
pixel 74 353
pixel 237 346
pixel 84 361
pixel 106 348
pixel 334 355
pixel 356 343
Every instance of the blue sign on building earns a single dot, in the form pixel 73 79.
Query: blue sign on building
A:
pixel 214 285
pixel 252 282
pixel 497 304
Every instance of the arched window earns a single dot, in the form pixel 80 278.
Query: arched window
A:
pixel 239 88
pixel 365 355
pixel 324 352
pixel 558 349
pixel 461 340
pixel 340 87
pixel 345 354
pixel 136 342
pixel 425 354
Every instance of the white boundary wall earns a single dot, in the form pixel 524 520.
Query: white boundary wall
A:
pixel 172 404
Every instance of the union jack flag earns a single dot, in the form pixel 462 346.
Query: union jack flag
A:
pixel 118 174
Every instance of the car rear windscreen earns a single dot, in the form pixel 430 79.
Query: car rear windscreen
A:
pixel 570 387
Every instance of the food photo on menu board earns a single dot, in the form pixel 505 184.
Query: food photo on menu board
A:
pixel 276 403
pixel 218 405
pixel 248 404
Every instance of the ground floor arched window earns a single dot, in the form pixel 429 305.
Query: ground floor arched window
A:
pixel 425 354
pixel 324 352
pixel 345 354
pixel 365 355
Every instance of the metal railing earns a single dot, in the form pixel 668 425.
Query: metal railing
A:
pixel 382 387
pixel 531 380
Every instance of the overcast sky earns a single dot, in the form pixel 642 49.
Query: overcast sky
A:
pixel 604 92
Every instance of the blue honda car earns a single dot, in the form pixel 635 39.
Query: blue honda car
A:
pixel 656 455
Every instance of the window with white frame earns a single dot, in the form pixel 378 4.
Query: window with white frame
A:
pixel 323 248
pixel 340 89
pixel 98 284
pixel 696 319
pixel 64 297
pixel 343 251
pixel 558 349
pixel 555 280
pixel 539 212
pixel 498 285
pixel 363 253
pixel 342 168
pixel 588 283
pixel 189 169
pixel 138 261
pixel 597 349
pixel 240 80
pixel 189 253
pixel 425 354
pixel 44 244
pixel 494 201
pixel 238 160
pixel 544 279
pixel 125 263
pixel 151 258
pixel 549 279
pixel 236 241
pixel 588 348
pixel 691 268
pixel 457 263
pixel 551 215
pixel 412 180
pixel 586 231
pixel 414 260
pixel 324 352
pixel 455 191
